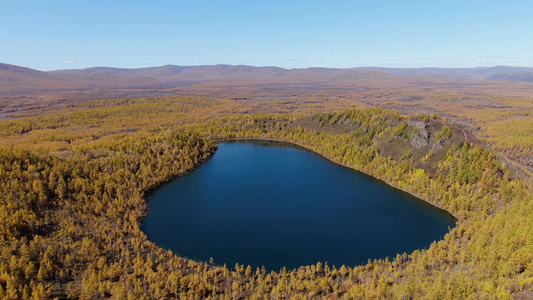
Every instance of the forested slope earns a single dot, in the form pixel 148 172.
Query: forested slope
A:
pixel 72 187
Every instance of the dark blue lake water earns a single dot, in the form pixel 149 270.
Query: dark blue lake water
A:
pixel 273 204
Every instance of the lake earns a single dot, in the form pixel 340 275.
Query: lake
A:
pixel 272 204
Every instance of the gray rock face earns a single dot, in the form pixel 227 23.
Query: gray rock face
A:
pixel 437 145
pixel 422 136
pixel 420 139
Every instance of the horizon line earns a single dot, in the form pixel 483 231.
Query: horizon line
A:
pixel 269 66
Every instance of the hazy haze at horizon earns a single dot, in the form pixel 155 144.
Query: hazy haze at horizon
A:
pixel 50 35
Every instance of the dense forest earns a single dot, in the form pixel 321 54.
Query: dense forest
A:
pixel 72 186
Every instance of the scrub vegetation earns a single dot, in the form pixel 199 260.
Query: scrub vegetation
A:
pixel 72 186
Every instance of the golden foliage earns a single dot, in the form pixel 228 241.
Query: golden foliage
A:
pixel 71 200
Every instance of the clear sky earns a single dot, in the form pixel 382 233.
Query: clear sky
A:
pixel 53 34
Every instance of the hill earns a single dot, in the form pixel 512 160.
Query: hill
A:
pixel 491 73
pixel 14 79
pixel 229 72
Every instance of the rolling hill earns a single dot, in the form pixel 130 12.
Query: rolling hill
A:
pixel 15 79
pixel 491 73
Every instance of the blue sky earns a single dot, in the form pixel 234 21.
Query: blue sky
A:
pixel 51 34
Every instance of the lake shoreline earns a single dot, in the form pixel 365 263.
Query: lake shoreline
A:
pixel 146 194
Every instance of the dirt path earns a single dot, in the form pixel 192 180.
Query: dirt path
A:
pixel 468 137
pixel 525 172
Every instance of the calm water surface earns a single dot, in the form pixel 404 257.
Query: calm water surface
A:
pixel 273 204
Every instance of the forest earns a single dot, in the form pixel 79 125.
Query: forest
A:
pixel 73 181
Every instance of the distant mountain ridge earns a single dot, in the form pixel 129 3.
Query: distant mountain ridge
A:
pixel 156 72
pixel 492 73
pixel 496 73
pixel 20 79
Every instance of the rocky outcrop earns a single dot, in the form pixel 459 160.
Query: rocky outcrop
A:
pixel 420 139
pixel 437 145
pixel 422 136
